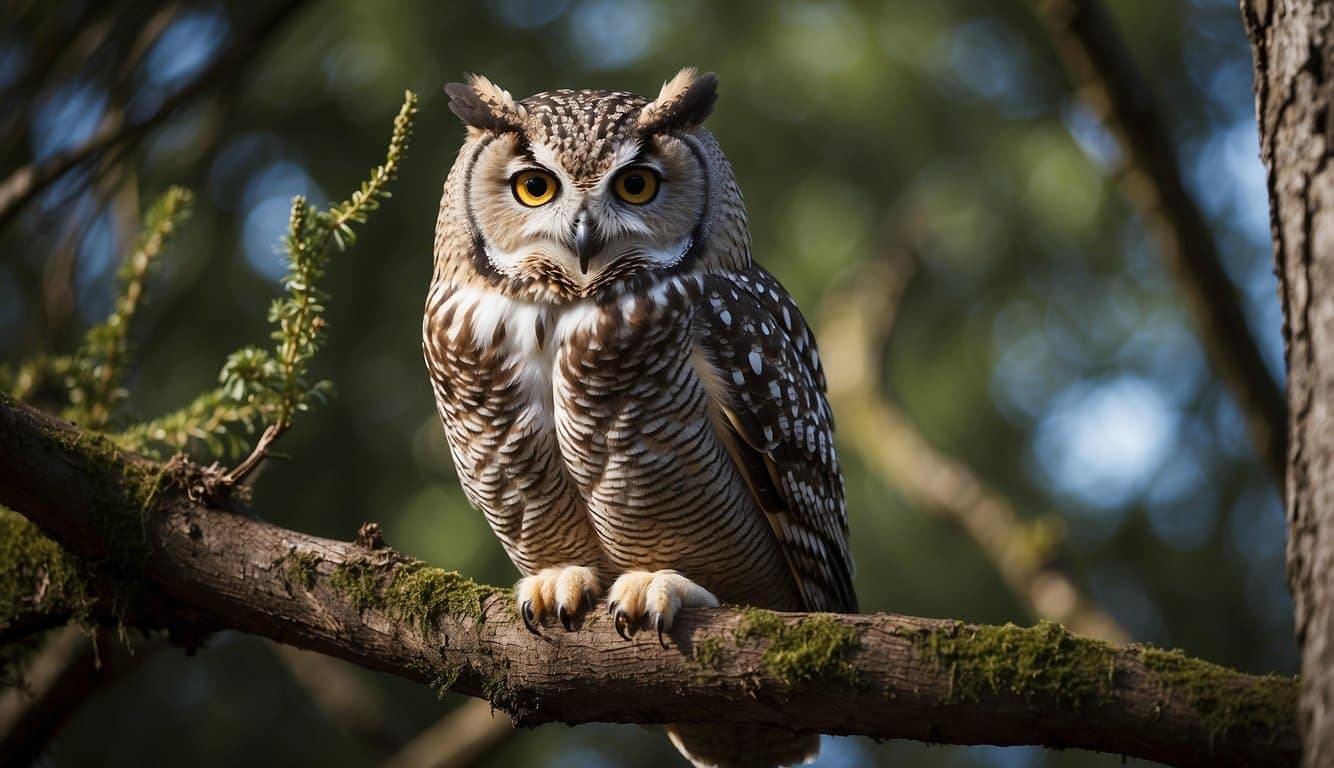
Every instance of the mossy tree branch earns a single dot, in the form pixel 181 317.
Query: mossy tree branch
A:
pixel 884 676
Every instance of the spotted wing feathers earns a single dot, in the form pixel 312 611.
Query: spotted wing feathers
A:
pixel 778 427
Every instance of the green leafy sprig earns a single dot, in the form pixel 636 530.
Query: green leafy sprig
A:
pixel 269 387
pixel 257 387
pixel 86 385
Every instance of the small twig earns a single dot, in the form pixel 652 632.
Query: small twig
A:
pixel 311 237
pixel 106 346
pixel 251 463
pixel 370 536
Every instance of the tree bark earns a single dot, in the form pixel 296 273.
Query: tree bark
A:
pixel 154 531
pixel 1293 45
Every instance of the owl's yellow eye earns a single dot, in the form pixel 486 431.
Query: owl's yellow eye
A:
pixel 534 188
pixel 636 186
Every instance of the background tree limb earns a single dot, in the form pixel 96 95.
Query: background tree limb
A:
pixel 1107 81
pixel 458 739
pixel 116 133
pixel 75 664
pixel 168 531
pixel 856 323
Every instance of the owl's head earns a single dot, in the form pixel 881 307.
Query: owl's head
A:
pixel 573 194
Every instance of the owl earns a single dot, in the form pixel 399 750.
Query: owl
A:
pixel 635 405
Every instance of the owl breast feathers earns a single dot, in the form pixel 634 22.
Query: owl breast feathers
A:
pixel 635 406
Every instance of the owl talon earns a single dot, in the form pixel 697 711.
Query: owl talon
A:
pixel 590 599
pixel 562 590
pixel 529 618
pixel 623 625
pixel 654 598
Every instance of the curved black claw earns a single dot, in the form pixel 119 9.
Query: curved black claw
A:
pixel 623 625
pixel 565 617
pixel 659 625
pixel 589 599
pixel 529 618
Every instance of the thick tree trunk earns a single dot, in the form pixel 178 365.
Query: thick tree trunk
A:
pixel 1293 43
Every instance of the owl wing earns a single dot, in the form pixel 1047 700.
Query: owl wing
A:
pixel 768 392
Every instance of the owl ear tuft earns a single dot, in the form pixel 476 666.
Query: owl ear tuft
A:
pixel 683 103
pixel 482 104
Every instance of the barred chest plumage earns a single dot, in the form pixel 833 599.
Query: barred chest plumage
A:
pixel 584 433
pixel 636 405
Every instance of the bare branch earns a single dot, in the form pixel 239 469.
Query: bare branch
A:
pixel 1106 79
pixel 25 182
pixel 74 665
pixel 457 740
pixel 855 323
pixel 885 676
pixel 345 700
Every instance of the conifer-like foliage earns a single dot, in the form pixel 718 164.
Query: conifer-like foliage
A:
pixel 260 389
pixel 85 386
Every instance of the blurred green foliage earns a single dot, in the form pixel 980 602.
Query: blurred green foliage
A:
pixel 258 387
pixel 1041 342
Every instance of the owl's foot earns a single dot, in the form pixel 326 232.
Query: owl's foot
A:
pixel 566 590
pixel 655 596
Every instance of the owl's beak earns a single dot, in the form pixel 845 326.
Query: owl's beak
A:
pixel 587 240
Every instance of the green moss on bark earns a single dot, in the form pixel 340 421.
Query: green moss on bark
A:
pixel 505 697
pixel 301 568
pixel 412 591
pixel 361 582
pixel 441 678
pixel 122 493
pixel 710 654
pixel 1261 704
pixel 497 691
pixel 1044 660
pixel 421 594
pixel 35 573
pixel 814 648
